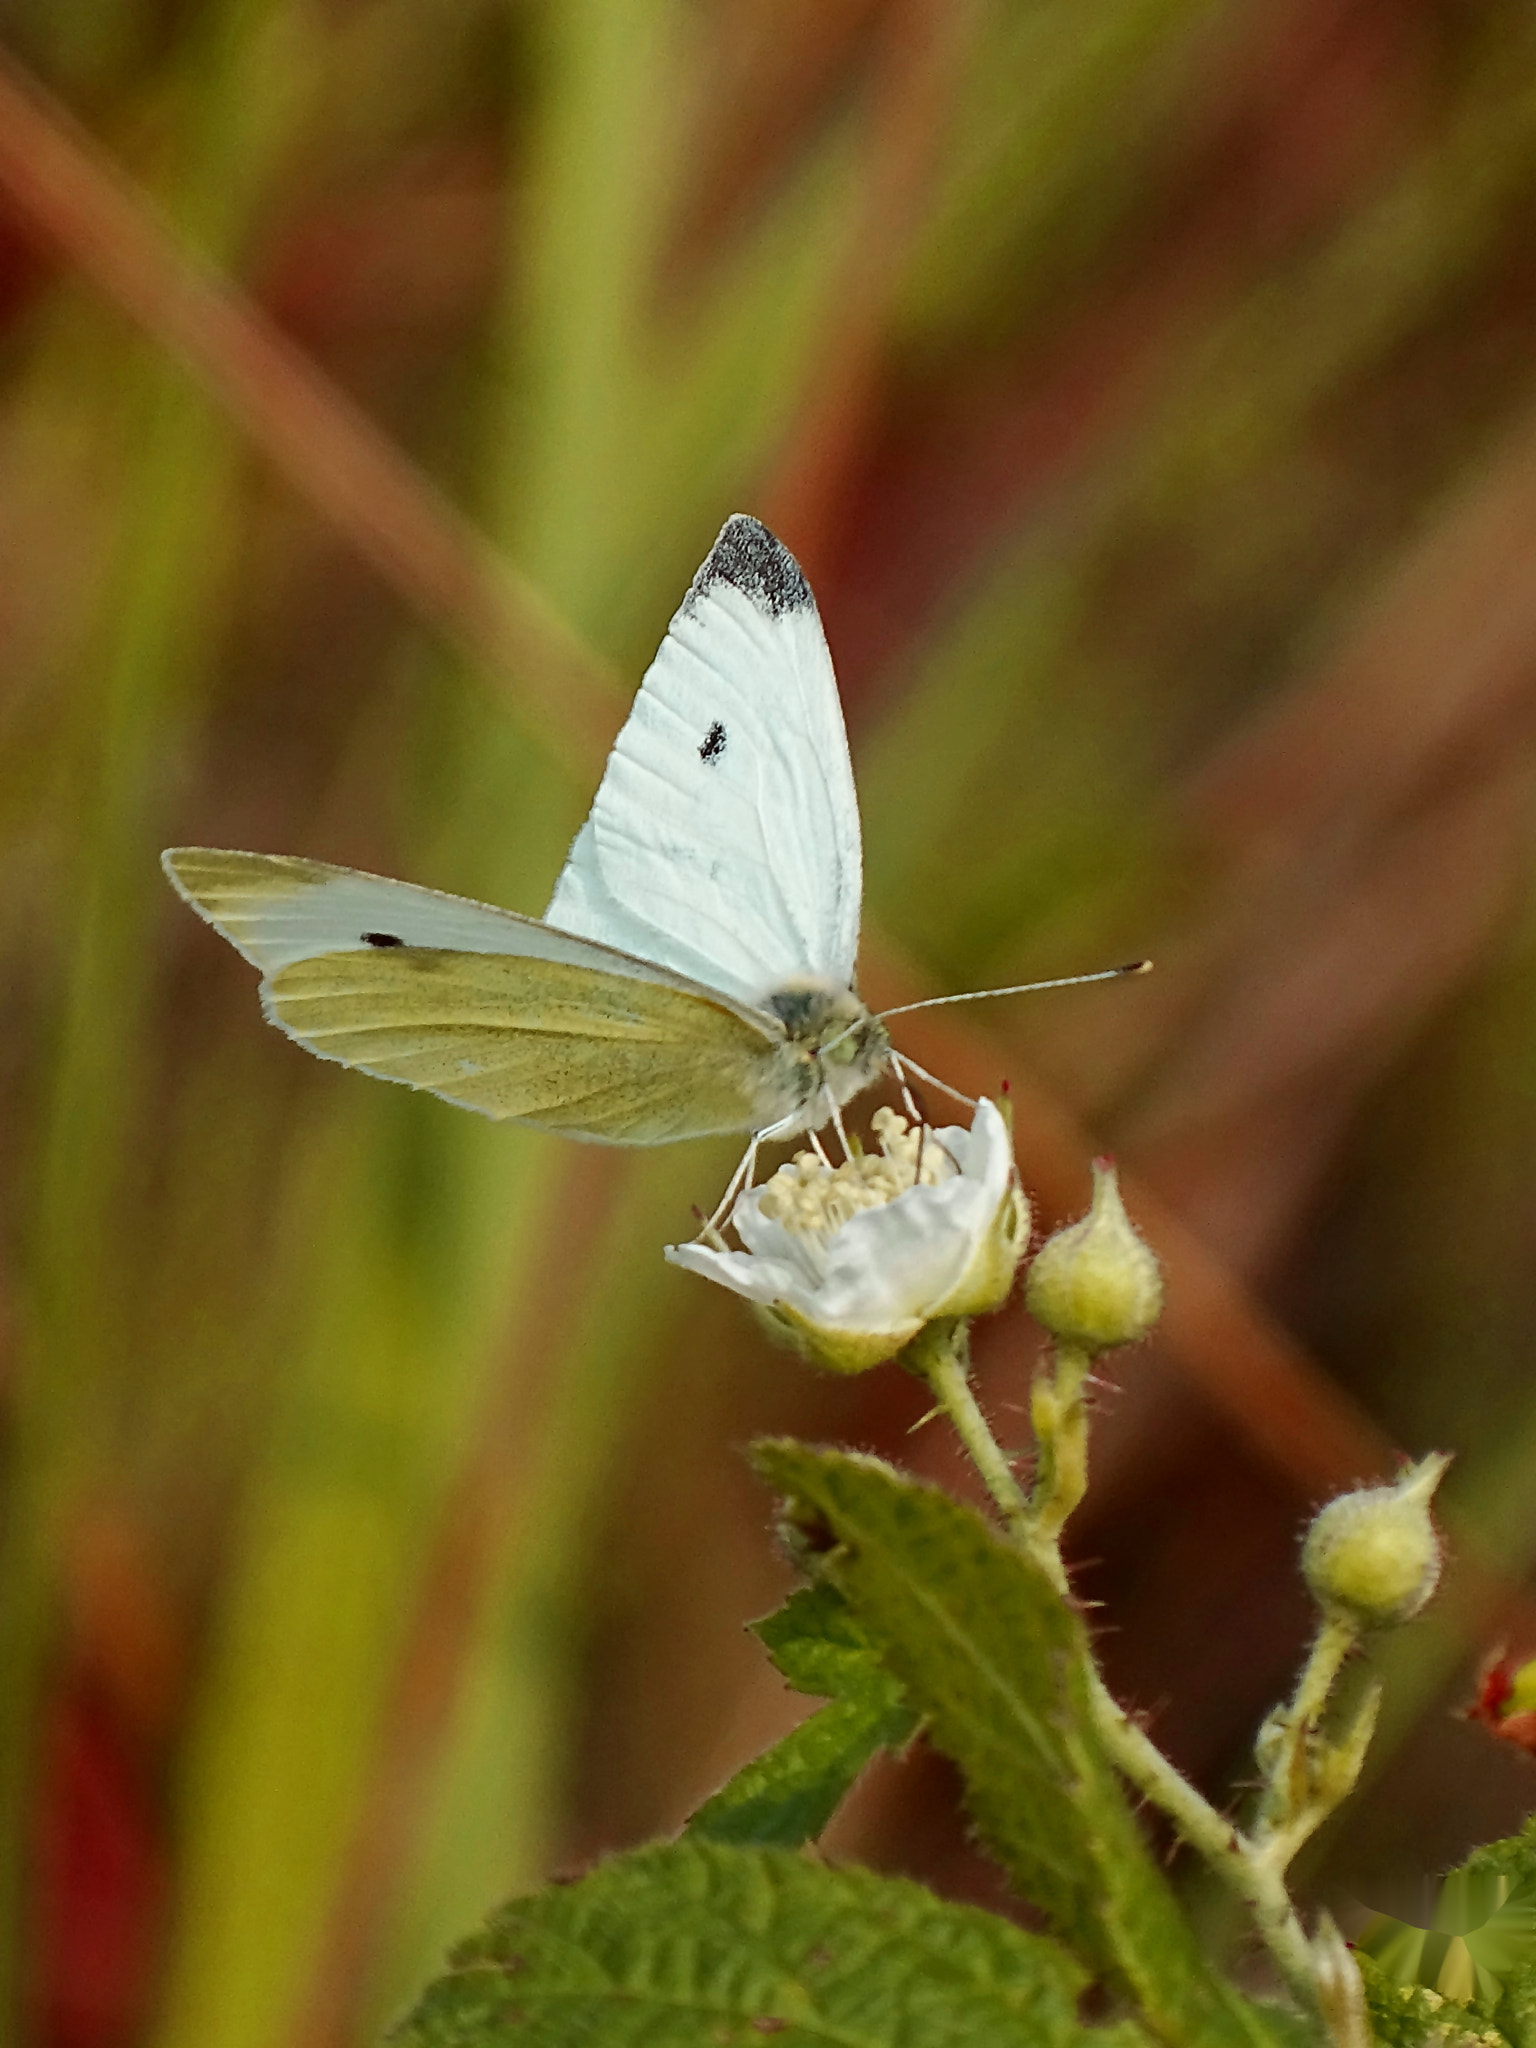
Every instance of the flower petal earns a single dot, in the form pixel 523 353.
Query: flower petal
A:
pixel 854 1294
pixel 746 1273
pixel 888 1265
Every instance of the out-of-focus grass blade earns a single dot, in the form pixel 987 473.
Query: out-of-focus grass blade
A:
pixel 157 622
pixel 1236 398
pixel 1040 173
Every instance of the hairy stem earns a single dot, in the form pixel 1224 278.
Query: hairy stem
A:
pixel 1295 1801
pixel 1060 1417
pixel 940 1356
pixel 1230 1853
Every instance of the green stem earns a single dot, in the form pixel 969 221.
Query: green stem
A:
pixel 1060 1417
pixel 940 1357
pixel 1229 1852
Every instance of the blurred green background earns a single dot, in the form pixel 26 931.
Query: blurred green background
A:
pixel 1149 388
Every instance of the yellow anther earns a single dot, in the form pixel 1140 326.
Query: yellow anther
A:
pixel 810 1197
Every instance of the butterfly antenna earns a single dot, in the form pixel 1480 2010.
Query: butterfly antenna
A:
pixel 1023 988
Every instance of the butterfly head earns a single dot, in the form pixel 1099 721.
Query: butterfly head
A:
pixel 833 1045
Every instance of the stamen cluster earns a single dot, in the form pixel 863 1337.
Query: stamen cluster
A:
pixel 810 1197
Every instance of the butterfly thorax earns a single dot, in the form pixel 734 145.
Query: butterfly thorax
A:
pixel 833 1047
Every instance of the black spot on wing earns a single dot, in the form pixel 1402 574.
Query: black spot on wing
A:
pixel 381 939
pixel 713 744
pixel 748 557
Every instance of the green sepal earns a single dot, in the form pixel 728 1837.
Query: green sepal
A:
pixel 704 1944
pixel 997 1663
pixel 787 1795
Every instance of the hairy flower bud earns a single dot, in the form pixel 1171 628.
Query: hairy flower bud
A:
pixel 1095 1283
pixel 1372 1557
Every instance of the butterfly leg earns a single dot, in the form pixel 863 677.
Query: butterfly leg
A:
pixel 746 1169
pixel 909 1105
pixel 904 1060
pixel 741 1178
pixel 837 1125
pixel 926 1134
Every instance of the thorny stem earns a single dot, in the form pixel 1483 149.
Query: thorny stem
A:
pixel 941 1357
pixel 1228 1851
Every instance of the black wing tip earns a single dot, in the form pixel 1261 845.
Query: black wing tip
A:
pixel 753 561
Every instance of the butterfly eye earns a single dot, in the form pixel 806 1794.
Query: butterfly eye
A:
pixel 381 939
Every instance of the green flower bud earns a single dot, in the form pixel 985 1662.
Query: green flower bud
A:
pixel 1372 1558
pixel 1095 1283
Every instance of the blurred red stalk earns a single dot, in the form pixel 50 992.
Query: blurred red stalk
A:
pixel 67 192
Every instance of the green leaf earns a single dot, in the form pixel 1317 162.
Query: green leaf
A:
pixel 709 1944
pixel 1484 1931
pixel 997 1663
pixel 1516 2010
pixel 1477 1959
pixel 787 1795
pixel 816 1643
pixel 1413 2016
pixel 1510 1865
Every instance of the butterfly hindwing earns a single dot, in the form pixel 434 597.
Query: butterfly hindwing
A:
pixel 566 1047
pixel 490 1010
pixel 724 839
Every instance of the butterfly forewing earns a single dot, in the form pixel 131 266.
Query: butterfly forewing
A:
pixel 724 839
pixel 276 909
pixel 594 1055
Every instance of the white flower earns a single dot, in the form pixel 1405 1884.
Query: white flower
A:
pixel 853 1260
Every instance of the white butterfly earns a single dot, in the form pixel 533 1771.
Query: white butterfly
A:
pixel 694 971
